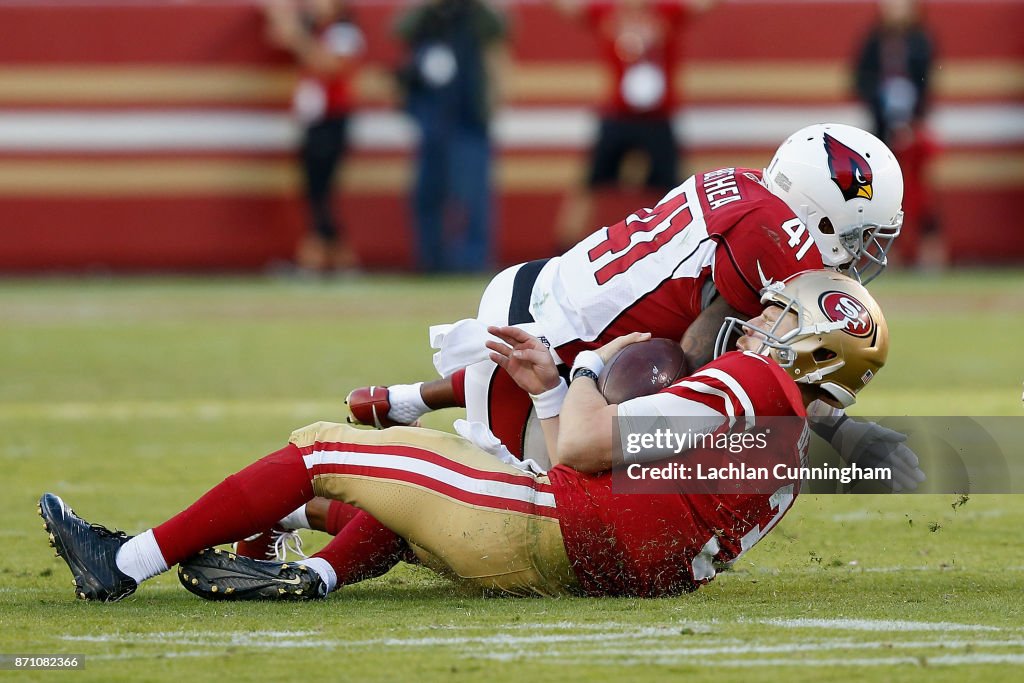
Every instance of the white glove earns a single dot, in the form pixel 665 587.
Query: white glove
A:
pixel 869 444
pixel 484 439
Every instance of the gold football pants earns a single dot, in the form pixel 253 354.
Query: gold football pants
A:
pixel 463 511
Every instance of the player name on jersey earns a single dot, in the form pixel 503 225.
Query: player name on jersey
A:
pixel 720 187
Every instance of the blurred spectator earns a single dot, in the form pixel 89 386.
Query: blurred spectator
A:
pixel 326 44
pixel 640 44
pixel 451 84
pixel 892 78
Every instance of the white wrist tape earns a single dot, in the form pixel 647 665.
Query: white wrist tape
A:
pixel 589 360
pixel 549 404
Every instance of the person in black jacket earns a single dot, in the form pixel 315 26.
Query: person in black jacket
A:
pixel 892 78
pixel 450 83
pixel 894 67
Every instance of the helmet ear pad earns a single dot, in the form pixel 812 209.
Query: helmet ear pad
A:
pixel 847 177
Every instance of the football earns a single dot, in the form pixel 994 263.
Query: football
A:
pixel 641 369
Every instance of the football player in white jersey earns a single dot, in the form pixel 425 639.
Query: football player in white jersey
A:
pixel 678 270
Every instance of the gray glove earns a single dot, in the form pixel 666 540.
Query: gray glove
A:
pixel 869 444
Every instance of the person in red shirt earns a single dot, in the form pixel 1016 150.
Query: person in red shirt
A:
pixel 326 43
pixel 508 527
pixel 640 43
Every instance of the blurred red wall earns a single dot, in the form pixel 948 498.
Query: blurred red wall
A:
pixel 153 135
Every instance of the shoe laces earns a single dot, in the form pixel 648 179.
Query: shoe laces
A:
pixel 285 542
pixel 104 532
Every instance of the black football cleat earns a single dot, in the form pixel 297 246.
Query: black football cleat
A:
pixel 90 551
pixel 216 574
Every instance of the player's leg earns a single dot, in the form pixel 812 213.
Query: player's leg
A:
pixel 109 566
pixel 406 403
pixel 459 509
pixel 403 404
pixel 400 405
pixel 491 396
pixel 269 543
pixel 489 522
pixel 351 553
pixel 319 514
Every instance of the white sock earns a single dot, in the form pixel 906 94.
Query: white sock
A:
pixel 141 557
pixel 324 569
pixel 296 519
pixel 407 405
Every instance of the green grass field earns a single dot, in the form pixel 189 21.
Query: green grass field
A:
pixel 131 397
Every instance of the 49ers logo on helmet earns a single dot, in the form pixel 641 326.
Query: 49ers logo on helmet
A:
pixel 850 171
pixel 841 307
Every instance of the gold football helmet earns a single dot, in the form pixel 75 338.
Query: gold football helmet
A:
pixel 841 339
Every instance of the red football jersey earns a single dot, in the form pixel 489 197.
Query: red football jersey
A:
pixel 641 48
pixel 648 273
pixel 666 543
pixel 318 97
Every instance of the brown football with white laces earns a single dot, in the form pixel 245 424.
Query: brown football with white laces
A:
pixel 642 369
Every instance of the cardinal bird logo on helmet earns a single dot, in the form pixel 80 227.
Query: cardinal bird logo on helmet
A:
pixel 850 171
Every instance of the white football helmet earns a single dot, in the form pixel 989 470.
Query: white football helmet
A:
pixel 847 188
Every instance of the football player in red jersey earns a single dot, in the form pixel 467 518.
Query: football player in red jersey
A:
pixel 440 499
pixel 830 196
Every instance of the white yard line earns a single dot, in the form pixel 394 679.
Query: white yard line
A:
pixel 871 516
pixel 883 625
pixel 942 660
pixel 649 640
pixel 653 653
pixel 299 639
pixel 623 644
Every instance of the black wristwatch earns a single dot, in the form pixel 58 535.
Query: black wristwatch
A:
pixel 583 372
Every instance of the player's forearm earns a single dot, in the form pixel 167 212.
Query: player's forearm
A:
pixel 551 427
pixel 699 340
pixel 585 431
pixel 825 419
